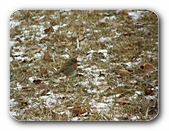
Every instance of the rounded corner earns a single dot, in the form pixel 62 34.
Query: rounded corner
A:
pixel 13 13
pixel 12 117
pixel 155 118
pixel 154 12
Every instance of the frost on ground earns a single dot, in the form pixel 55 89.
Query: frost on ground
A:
pixel 117 76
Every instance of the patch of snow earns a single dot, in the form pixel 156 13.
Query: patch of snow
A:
pixel 19 86
pixel 97 31
pixel 12 43
pixel 107 18
pixel 135 95
pixel 20 53
pixel 42 17
pixel 75 118
pixel 11 59
pixel 88 30
pixel 84 83
pixel 89 69
pixel 117 35
pixel 49 100
pixel 64 25
pixel 117 95
pixel 92 91
pixel 101 105
pixel 110 46
pixel 105 39
pixel 90 52
pixel 15 113
pixel 134 118
pixel 115 119
pixel 69 33
pixel 108 99
pixel 148 97
pixel 129 64
pixel 14 23
pixel 65 10
pixel 32 78
pixel 97 83
pixel 121 85
pixel 66 49
pixel 37 55
pixel 13 103
pixel 43 47
pixel 104 51
pixel 56 27
pixel 138 92
pixel 135 15
pixel 112 17
pixel 65 56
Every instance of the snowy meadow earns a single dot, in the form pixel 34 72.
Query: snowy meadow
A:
pixel 117 76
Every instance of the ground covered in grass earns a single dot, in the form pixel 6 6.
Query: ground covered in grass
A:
pixel 117 76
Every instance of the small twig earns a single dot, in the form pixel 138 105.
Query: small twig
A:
pixel 53 57
pixel 144 82
pixel 78 44
pixel 156 104
pixel 22 79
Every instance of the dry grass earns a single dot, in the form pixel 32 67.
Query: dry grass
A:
pixel 117 75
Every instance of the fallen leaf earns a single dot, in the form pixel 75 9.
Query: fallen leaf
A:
pixel 81 37
pixel 27 73
pixel 36 50
pixel 47 58
pixel 48 30
pixel 128 33
pixel 53 23
pixel 139 43
pixel 77 110
pixel 43 70
pixel 148 91
pixel 124 12
pixel 123 72
pixel 19 40
pixel 147 67
pixel 42 86
pixel 37 81
pixel 44 39
pixel 122 101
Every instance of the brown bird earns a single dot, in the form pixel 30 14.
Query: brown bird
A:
pixel 69 67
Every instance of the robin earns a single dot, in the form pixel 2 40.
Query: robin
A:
pixel 69 67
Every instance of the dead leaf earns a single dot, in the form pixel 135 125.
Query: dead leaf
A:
pixel 122 101
pixel 42 86
pixel 77 110
pixel 27 73
pixel 147 67
pixel 139 43
pixel 43 70
pixel 101 74
pixel 123 72
pixel 81 37
pixel 148 91
pixel 37 81
pixel 124 12
pixel 132 81
pixel 128 33
pixel 53 23
pixel 44 39
pixel 48 30
pixel 47 58
pixel 36 50
pixel 69 44
pixel 19 40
